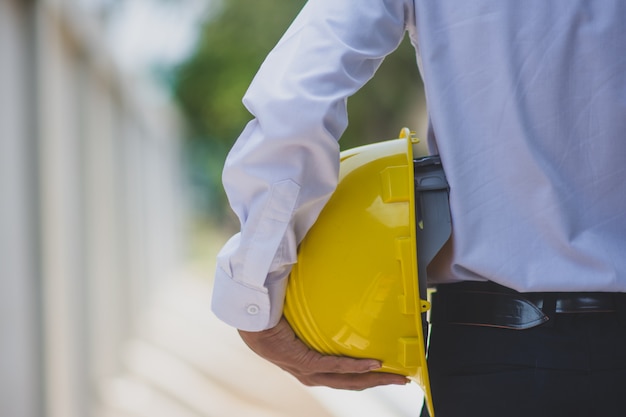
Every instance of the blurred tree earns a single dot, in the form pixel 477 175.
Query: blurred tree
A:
pixel 233 43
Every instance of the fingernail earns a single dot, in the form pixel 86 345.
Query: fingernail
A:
pixel 375 365
pixel 404 382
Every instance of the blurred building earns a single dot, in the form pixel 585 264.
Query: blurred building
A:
pixel 89 215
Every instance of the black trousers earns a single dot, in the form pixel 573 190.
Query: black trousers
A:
pixel 574 365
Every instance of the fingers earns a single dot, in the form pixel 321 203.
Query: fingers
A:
pixel 343 365
pixel 355 382
pixel 280 346
pixel 345 373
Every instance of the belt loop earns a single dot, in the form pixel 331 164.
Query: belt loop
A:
pixel 549 308
pixel 437 305
pixel 620 304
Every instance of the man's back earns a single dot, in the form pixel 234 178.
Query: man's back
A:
pixel 527 103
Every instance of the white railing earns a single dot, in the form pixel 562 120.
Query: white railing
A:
pixel 89 209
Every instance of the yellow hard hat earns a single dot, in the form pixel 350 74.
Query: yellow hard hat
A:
pixel 354 289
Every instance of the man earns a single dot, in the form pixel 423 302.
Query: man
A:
pixel 527 109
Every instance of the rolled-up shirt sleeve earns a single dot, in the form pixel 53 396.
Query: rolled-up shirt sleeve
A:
pixel 284 166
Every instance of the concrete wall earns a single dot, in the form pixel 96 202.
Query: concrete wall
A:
pixel 89 208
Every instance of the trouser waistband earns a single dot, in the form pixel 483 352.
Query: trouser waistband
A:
pixel 492 305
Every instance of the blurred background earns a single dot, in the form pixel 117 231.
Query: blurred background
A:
pixel 115 119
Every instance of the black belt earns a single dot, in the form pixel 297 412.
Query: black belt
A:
pixel 492 305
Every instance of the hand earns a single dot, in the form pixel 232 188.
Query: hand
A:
pixel 281 346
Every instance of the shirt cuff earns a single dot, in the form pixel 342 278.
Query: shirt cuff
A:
pixel 245 307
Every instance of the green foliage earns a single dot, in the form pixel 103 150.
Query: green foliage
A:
pixel 210 84
pixel 232 46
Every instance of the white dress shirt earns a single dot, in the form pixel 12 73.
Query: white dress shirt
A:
pixel 527 108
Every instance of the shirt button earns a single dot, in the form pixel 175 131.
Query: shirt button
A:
pixel 253 309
